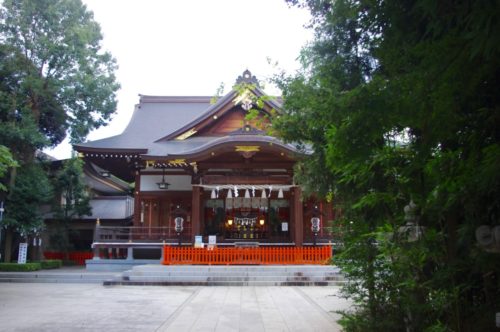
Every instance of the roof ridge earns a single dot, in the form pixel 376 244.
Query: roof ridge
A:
pixel 174 99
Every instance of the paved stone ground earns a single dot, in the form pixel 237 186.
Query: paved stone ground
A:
pixel 91 307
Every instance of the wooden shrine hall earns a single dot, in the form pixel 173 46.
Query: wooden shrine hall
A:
pixel 205 171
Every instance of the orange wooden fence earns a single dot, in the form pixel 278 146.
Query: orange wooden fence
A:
pixel 78 257
pixel 247 256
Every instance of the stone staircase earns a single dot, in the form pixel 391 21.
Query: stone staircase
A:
pixel 247 275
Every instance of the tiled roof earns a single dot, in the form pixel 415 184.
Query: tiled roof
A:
pixel 152 119
pixel 157 120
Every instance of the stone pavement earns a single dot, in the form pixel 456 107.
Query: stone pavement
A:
pixel 92 307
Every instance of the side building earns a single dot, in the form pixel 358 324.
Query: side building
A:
pixel 112 204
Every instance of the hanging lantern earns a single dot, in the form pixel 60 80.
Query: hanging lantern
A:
pixel 213 196
pixel 229 193
pixel 280 193
pixel 263 194
pixel 247 194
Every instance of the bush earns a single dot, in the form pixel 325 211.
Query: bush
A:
pixel 20 267
pixel 51 264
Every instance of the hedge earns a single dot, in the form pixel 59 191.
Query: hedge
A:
pixel 51 264
pixel 20 267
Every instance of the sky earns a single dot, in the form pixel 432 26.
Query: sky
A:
pixel 188 48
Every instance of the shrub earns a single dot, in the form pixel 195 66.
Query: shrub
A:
pixel 20 267
pixel 51 264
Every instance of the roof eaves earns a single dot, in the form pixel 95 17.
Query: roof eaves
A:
pixel 93 170
pixel 237 139
pixel 91 149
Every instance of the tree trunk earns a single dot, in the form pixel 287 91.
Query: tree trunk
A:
pixel 8 245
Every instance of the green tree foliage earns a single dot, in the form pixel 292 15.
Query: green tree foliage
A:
pixel 58 67
pixel 74 201
pixel 399 101
pixel 70 186
pixel 54 79
pixel 6 162
pixel 18 128
pixel 22 208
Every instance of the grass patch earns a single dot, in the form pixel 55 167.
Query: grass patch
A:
pixel 14 267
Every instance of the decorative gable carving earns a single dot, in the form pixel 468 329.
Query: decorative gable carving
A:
pixel 228 114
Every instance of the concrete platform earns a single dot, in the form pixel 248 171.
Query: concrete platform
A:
pixel 116 265
pixel 73 274
pixel 92 307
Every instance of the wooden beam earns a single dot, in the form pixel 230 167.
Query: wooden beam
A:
pixel 179 171
pixel 298 222
pixel 215 179
pixel 251 165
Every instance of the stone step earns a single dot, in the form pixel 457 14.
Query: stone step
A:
pixel 55 278
pixel 231 278
pixel 239 275
pixel 219 283
pixel 276 272
pixel 55 281
pixel 232 275
pixel 303 275
pixel 223 268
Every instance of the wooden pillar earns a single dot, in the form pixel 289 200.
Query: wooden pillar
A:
pixel 97 238
pixel 137 199
pixel 196 211
pixel 298 217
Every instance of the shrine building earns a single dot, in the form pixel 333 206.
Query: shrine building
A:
pixel 207 171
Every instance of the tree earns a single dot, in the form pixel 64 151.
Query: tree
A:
pixel 74 202
pixel 23 203
pixel 69 80
pixel 399 101
pixel 54 80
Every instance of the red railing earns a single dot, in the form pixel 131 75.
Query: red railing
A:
pixel 247 256
pixel 78 257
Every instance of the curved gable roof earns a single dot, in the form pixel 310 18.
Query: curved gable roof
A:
pixel 157 120
pixel 152 118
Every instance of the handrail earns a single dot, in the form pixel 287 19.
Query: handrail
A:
pixel 134 233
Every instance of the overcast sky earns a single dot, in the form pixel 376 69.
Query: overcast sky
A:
pixel 188 48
